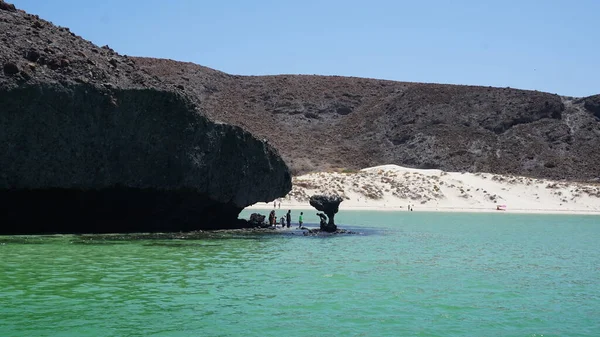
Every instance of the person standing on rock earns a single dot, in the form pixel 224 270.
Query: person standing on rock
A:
pixel 272 219
pixel 323 221
pixel 300 220
pixel 288 218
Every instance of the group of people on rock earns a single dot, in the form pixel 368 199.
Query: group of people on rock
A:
pixel 284 221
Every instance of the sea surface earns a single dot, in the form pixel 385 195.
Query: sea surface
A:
pixel 406 274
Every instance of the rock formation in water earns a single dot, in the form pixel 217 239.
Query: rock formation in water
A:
pixel 328 204
pixel 91 143
pixel 257 220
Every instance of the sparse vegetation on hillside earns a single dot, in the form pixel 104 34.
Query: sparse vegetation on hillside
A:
pixel 322 122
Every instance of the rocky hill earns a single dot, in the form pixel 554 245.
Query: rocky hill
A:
pixel 89 142
pixel 327 122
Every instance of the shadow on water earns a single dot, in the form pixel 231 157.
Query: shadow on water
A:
pixel 180 244
pixel 22 240
pixel 31 239
pixel 182 239
pixel 96 242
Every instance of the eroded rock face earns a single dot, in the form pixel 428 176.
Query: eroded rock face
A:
pixel 145 154
pixel 88 143
pixel 328 204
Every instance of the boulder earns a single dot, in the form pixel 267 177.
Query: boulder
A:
pixel 32 55
pixel 10 69
pixel 257 220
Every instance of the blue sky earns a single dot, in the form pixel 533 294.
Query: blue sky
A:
pixel 546 45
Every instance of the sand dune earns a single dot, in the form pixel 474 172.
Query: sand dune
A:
pixel 392 187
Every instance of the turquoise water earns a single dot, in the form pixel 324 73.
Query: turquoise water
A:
pixel 408 274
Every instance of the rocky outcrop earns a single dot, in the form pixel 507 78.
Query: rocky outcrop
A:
pixel 328 204
pixel 90 143
pixel 7 7
pixel 592 104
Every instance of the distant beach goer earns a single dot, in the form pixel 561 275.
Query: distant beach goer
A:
pixel 280 205
pixel 300 220
pixel 288 218
pixel 282 222
pixel 274 204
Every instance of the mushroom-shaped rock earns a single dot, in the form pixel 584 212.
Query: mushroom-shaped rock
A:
pixel 328 204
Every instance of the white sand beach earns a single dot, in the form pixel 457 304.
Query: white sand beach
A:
pixel 394 188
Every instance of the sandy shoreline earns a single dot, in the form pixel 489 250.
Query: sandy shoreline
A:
pixel 431 209
pixel 394 188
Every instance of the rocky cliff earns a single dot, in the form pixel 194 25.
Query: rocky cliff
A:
pixel 92 143
pixel 329 122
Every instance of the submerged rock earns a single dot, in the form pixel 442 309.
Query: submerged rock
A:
pixel 98 149
pixel 319 232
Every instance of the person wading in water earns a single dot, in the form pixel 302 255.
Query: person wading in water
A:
pixel 288 218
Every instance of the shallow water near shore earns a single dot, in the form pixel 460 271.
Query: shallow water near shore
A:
pixel 407 274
